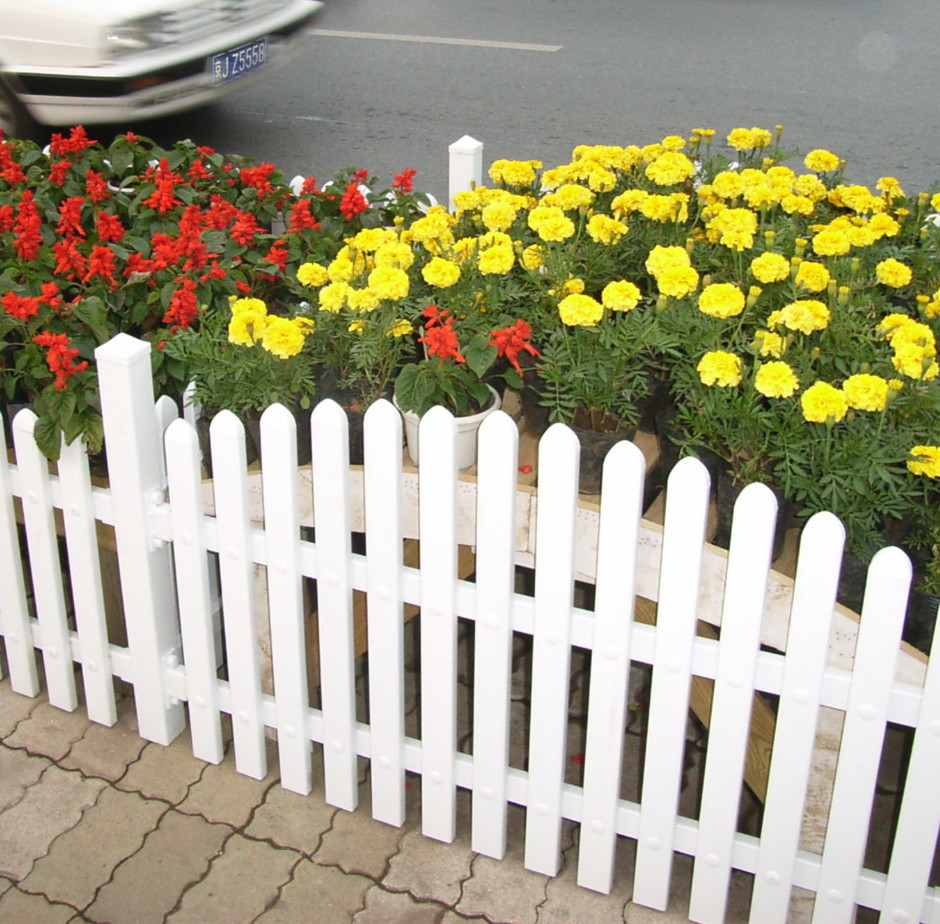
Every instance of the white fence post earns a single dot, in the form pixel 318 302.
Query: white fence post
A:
pixel 466 166
pixel 134 447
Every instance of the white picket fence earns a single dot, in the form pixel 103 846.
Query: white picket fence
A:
pixel 167 520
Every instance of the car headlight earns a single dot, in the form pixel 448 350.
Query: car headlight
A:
pixel 134 37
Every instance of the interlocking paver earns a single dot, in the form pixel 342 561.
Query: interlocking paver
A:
pixel 164 772
pixel 18 771
pixel 83 859
pixel 147 886
pixel 429 869
pixel 383 907
pixel 336 895
pixel 291 820
pixel 240 883
pixel 108 752
pixel 358 844
pixel 49 731
pixel 19 908
pixel 14 708
pixel 222 794
pixel 50 807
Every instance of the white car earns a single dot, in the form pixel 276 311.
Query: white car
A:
pixel 72 62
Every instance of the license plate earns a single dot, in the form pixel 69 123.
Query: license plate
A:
pixel 230 65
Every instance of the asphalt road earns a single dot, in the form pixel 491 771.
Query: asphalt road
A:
pixel 534 78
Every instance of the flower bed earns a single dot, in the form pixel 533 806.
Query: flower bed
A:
pixel 784 318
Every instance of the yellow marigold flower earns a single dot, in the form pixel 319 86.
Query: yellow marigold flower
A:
pixel 282 337
pixel 467 200
pixel 866 392
pixel 341 269
pixel 663 208
pixel 719 368
pixel 514 172
pixel 249 317
pixel 892 324
pixel 883 225
pixel 821 161
pixel 823 403
pixel 893 273
pixel 496 261
pixel 434 226
pixel 572 284
pixel 661 258
pixel 776 380
pixel 498 216
pixel 312 275
pixel 620 295
pixel 770 267
pixel 394 254
pixel 728 184
pixel 578 310
pixel 550 223
pixel 332 297
pixel 857 198
pixel 601 180
pixel 734 228
pixel 400 328
pixel 831 242
pixel 357 326
pixel 926 461
pixel 797 205
pixel 389 282
pixel 631 200
pixel 371 239
pixel 768 343
pixel 677 281
pixel 806 315
pixel 670 168
pixel 743 139
pixel 363 299
pixel 812 276
pixel 721 300
pixel 440 273
pixel 810 186
pixel 673 142
pixel 605 230
pixel 533 257
pixel 890 188
pixel 914 361
pixel 570 197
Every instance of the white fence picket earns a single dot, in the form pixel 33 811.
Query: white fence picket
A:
pixel 814 595
pixel 551 645
pixel 192 589
pixel 438 519
pixel 330 440
pixel 918 823
pixel 683 537
pixel 285 598
pixel 621 509
pixel 236 571
pixel 748 566
pixel 81 534
pixel 383 505
pixel 496 496
pixel 45 564
pixel 14 612
pixel 879 638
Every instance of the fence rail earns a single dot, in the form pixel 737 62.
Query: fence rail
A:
pixel 201 561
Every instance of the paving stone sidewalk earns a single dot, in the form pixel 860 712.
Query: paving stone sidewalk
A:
pixel 98 825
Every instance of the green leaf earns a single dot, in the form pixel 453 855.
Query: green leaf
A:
pixel 48 436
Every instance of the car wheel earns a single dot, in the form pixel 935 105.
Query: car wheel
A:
pixel 15 121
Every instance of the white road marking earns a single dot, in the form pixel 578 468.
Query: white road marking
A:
pixel 433 40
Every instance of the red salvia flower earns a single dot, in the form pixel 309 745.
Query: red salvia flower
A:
pixel 183 309
pixel 101 263
pixel 245 228
pixel 51 296
pixel 277 255
pixel 96 186
pixel 309 187
pixel 70 261
pixel 512 340
pixel 61 357
pixel 7 217
pixel 70 217
pixel 21 307
pixel 77 141
pixel 163 199
pixel 352 202
pixel 28 228
pixel 110 227
pixel 58 171
pixel 302 217
pixel 403 181
pixel 439 334
pixel 258 177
